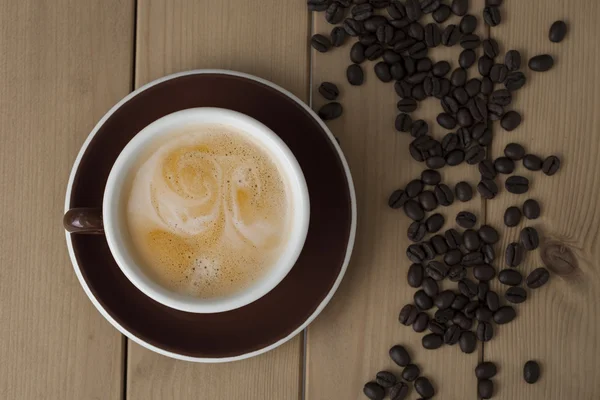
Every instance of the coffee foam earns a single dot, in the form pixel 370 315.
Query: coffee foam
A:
pixel 208 211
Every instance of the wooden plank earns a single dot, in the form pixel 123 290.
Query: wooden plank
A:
pixel 63 66
pixel 349 342
pixel 559 324
pixel 268 39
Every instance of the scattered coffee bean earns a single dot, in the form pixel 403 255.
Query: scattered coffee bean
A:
pixel 435 162
pixel 532 162
pixel 453 238
pixel 444 195
pixel 504 315
pixel 471 308
pixel 419 128
pixel 338 37
pixel 512 216
pixel 399 355
pixel 514 254
pixel 385 379
pixel 421 322
pixel 403 122
pixel 485 65
pixel 435 222
pixel 492 301
pixel 415 253
pixel 468 288
pixel 531 372
pixel 466 219
pixel 487 188
pixel 410 372
pixel 482 289
pixel 408 315
pixel 515 81
pixel 413 210
pixel 504 165
pixel 444 316
pixel 329 90
pixel 432 341
pixel 460 302
pixel 488 234
pixel 487 169
pixel 501 97
pixel 330 111
pixel 541 63
pixel 355 75
pixel 439 244
pixel 424 388
pixel 484 272
pixel 429 250
pixel 551 165
pixel 374 391
pixel 467 342
pixel 517 184
pixel 471 240
pixel 444 299
pixel 468 24
pixel 436 270
pixel 416 231
pixel 531 209
pixel 474 155
pixel 436 328
pixel 514 151
pixel 486 370
pixel 452 335
pixel 489 254
pixel 441 14
pixel 472 259
pixel 538 278
pixel 463 191
pixel 382 71
pixel 510 277
pixel 485 388
pixel 357 53
pixel 415 275
pixel 430 287
pixel 510 121
pixel 558 31
pixel 462 321
pixel 483 314
pixel 515 295
pixel 451 35
pixel 320 43
pixel 529 238
pixel 512 60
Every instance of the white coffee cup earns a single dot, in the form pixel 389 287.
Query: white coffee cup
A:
pixel 111 219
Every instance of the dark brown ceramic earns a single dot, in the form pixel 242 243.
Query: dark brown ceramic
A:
pixel 284 311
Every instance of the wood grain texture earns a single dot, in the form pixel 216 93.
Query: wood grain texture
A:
pixel 350 340
pixel 268 39
pixel 63 65
pixel 559 325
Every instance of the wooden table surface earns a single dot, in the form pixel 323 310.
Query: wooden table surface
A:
pixel 64 63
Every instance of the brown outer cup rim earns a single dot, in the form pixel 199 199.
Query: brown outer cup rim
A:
pixel 229 357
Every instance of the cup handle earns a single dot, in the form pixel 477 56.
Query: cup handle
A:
pixel 84 221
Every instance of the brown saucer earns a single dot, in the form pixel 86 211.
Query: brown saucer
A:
pixel 296 301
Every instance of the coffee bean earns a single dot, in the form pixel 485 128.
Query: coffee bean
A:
pixel 385 34
pixel 357 53
pixel 444 299
pixel 329 90
pixel 538 278
pixel 430 287
pixel 382 71
pixel 474 155
pixel 355 75
pixel 517 184
pixel 483 314
pixel 441 14
pixel 418 92
pixel 416 31
pixel 444 195
pixel 532 162
pixel 433 35
pixel 330 111
pixel 374 51
pixel 530 239
pixel 444 316
pixel 397 199
pixel 408 315
pixel 424 388
pixel 460 302
pixel 457 273
pixel 439 244
pixel 463 191
pixel 391 57
pixel 445 87
pixel 421 322
pixel 415 253
pixel 478 109
pixel 461 95
pixel 450 105
pixel 470 309
pixel 468 288
pixel 471 240
pixel 466 219
pixel 468 24
pixel 404 105
pixel 470 41
pixel 491 48
pixel 504 315
pixel 531 209
pixel 501 97
pixel 515 295
pixel 436 270
pixel 367 39
pixel 429 6
pixel 436 328
pixel 399 355
pixel 403 46
pixel 495 112
pixel 515 81
pixel 473 86
pixel 510 277
pixel 338 37
pixel 446 120
pixel 374 391
pixel 429 250
pixel 514 254
pixel 485 387
pixel 551 165
pixel 489 254
pixel 488 234
pixel 435 222
pixel 318 5
pixel 541 63
pixel 487 188
pixel 504 165
pixel 460 7
pixel 492 301
pixel 472 259
pixel 414 187
pixel 512 60
pixel 467 342
pixel 486 370
pixel 482 288
pixel 418 77
pixel 418 50
pixel 432 341
pixel 487 169
pixel 385 379
pixel 492 16
pixel 452 335
pixel 464 117
pixel 510 121
pixel 415 275
pixel 485 65
pixel 451 35
pixel 481 132
pixel 512 216
pixel 514 151
pixel 558 31
pixel 484 272
pixel 458 77
pixel 362 12
pixel 531 372
pixel 485 331
pixel 416 231
pixel 430 177
pixel 436 162
pixel 453 238
pixel 413 10
pixel 335 13
pixel 403 122
pixel 487 86
pixel 410 372
pixel 320 43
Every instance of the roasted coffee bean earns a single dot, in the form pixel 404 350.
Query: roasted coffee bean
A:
pixel 466 219
pixel 460 302
pixel 470 41
pixel 485 331
pixel 467 342
pixel 515 295
pixel 488 234
pixel 470 309
pixel 468 288
pixel 487 188
pixel 541 63
pixel 418 77
pixel 453 238
pixel 432 341
pixel 464 117
pixel 408 315
pixel 515 81
pixel 367 39
pixel 385 379
pixel 504 315
pixel 403 122
pixel 374 391
pixel 445 87
pixel 430 177
pixel 398 72
pixel 439 244
pixel 410 372
pixel 403 46
pixel 429 250
pixel 512 60
pixel 486 370
pixel 458 77
pixel 436 270
pixel 444 316
pixel 446 120
pixel 431 86
pixel 430 287
pixel 440 68
pixel 414 187
pixel 415 253
pixel 418 50
pixel 441 14
pixel 489 254
pixel 320 43
pixel 463 191
pixel 557 32
pixel 482 288
pixel 452 335
pixel 355 75
pixel 492 16
pixel 479 131
pixel 537 278
pixel 451 35
pixel 492 301
pixel 517 184
pixel 450 105
pixel 382 71
pixel 444 195
pixel 391 57
pixel 479 111
pixel 487 169
pixel 433 35
pixel 529 238
pixel 418 92
pixel 429 6
pixel 472 259
pixel 421 322
pixel 531 372
pixel 415 275
pixel 385 34
pixel 357 53
pixel 495 112
pixel 473 86
pixel 551 165
pixel 362 12
pixel 318 5
pixel 424 388
pixel 460 7
pixel 484 272
pixel 415 153
pixel 413 210
pixel 444 299
pixel 504 165
pixel 487 86
pixel 453 257
pixel 330 111
pixel 435 222
pixel 531 209
pixel 457 273
pixel 335 13
pixel 436 327
pixel 491 48
pixel 419 128
pixel 501 97
pixel 416 31
pixel 374 51
pixel 338 36
pixel 405 105
pixel 461 95
pixel 413 10
pixel 485 65
pixel 436 162
pixel 514 151
pixel 510 277
pixel 399 355
pixel 485 387
pixel 474 155
pixel 397 199
pixel 532 162
pixel 329 90
pixel 514 254
pixel 468 24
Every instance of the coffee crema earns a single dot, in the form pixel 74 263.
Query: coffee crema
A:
pixel 208 211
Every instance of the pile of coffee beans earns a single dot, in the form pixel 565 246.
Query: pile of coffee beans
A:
pixel 390 34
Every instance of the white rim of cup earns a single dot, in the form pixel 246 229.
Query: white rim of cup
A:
pixel 161 128
pixel 323 303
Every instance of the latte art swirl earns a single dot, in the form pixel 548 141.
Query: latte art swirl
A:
pixel 208 211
